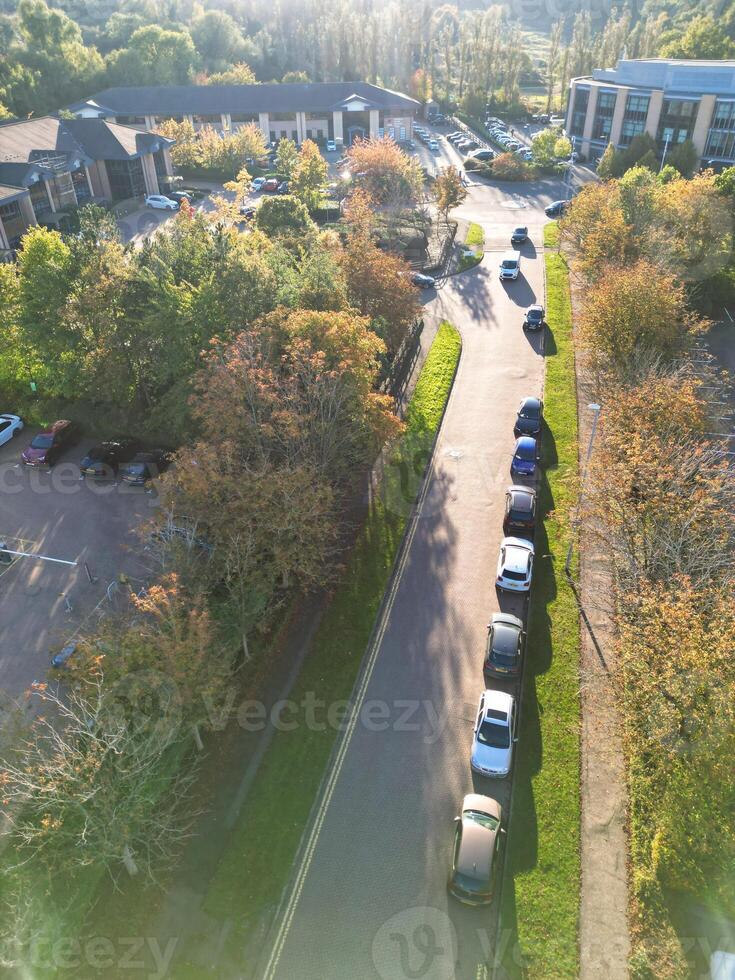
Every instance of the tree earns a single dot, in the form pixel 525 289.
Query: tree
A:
pixel 596 227
pixel 631 309
pixel 683 157
pixel 563 148
pixel 217 37
pixel 239 74
pixel 155 56
pixel 449 190
pixel 309 176
pixel 296 77
pixel 387 174
pixel 608 166
pixel 702 39
pixel 287 158
pixel 544 147
pixel 283 215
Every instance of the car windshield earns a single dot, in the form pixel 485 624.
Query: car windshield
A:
pixel 494 734
pixel 505 639
pixel 534 314
pixel 42 442
pixel 512 574
pixel 529 412
pixel 509 263
pixel 484 819
pixel 526 451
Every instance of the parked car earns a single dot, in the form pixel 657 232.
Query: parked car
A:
pixel 161 202
pixel 180 196
pixel 257 184
pixel 482 154
pixel 477 836
pixel 534 319
pixel 10 426
pixel 271 185
pixel 48 445
pixel 510 265
pixel 64 655
pixel 247 211
pixel 504 646
pixel 425 282
pixel 530 417
pixel 331 146
pixel 525 457
pixel 515 565
pixel 520 510
pixel 520 235
pixel 283 187
pixel 556 209
pixel 433 146
pixel 103 461
pixel 144 466
pixel 495 734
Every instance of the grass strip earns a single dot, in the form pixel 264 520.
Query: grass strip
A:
pixel 541 889
pixel 474 239
pixel 258 861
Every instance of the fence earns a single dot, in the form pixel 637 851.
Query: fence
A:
pixel 397 374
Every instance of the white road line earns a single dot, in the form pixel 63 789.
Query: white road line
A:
pixel 313 839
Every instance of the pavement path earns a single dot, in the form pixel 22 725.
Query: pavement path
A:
pixel 370 894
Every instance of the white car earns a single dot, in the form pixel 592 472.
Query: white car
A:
pixel 515 565
pixel 495 734
pixel 162 202
pixel 257 183
pixel 331 146
pixel 10 425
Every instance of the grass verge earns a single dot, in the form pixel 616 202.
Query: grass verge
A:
pixel 474 239
pixel 259 858
pixel 541 889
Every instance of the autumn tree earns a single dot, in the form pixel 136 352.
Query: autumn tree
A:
pixel 309 176
pixel 239 74
pixel 385 172
pixel 287 158
pixel 449 190
pixel 596 227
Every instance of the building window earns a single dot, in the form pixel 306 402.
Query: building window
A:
pixel 579 111
pixel 721 137
pixel 604 115
pixel 12 220
pixel 131 120
pixel 81 185
pixel 243 117
pixel 40 199
pixel 308 134
pixel 126 178
pixel 634 120
pixel 294 136
pixel 677 121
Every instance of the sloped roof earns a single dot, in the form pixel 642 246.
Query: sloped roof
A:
pixel 177 100
pixel 20 138
pixel 108 141
pixel 8 193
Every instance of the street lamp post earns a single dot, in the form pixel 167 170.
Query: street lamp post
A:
pixel 666 149
pixel 572 140
pixel 593 407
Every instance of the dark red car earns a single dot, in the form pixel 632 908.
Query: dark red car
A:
pixel 270 186
pixel 47 446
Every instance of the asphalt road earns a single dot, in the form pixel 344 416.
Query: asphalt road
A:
pixel 369 895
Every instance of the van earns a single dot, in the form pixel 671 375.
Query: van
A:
pixel 510 265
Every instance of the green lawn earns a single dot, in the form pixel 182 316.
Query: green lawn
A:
pixel 475 238
pixel 541 887
pixel 259 859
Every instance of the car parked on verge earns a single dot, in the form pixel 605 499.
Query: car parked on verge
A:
pixel 103 461
pixel 525 457
pixel 495 734
pixel 556 209
pixel 144 466
pixel 510 265
pixel 424 281
pixel 10 426
pixel 534 319
pixel 520 510
pixel 48 445
pixel 530 417
pixel 504 646
pixel 520 235
pixel 515 565
pixel 477 836
pixel 161 202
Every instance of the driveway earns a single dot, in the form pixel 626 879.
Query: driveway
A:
pixel 369 897
pixel 57 515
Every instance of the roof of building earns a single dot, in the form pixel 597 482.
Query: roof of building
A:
pixel 176 100
pixel 8 193
pixel 104 140
pixel 675 76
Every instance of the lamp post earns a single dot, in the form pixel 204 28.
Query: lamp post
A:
pixel 666 149
pixel 595 408
pixel 572 140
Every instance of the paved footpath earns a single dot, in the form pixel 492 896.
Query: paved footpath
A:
pixel 369 896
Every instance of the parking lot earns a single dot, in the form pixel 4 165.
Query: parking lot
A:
pixel 56 514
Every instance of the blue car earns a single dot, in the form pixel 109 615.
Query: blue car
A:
pixel 525 457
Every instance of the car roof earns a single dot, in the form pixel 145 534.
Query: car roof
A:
pixel 520 495
pixel 531 402
pixel 521 228
pixel 506 619
pixel 498 700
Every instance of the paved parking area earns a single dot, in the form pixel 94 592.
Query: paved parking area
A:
pixel 58 515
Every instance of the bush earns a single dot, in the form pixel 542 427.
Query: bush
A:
pixel 509 166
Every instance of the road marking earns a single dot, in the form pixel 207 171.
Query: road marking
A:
pixel 331 784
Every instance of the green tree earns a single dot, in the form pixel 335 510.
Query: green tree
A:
pixel 239 74
pixel 217 38
pixel 309 176
pixel 155 56
pixel 449 191
pixel 544 147
pixel 683 157
pixel 301 77
pixel 287 158
pixel 703 38
pixel 283 215
pixel 608 165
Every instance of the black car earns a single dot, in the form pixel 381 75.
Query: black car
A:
pixel 144 466
pixel 519 235
pixel 424 282
pixel 556 209
pixel 179 196
pixel 504 646
pixel 103 461
pixel 247 211
pixel 530 417
pixel 534 318
pixel 283 187
pixel 520 511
